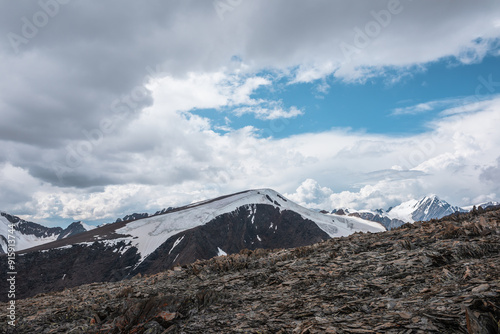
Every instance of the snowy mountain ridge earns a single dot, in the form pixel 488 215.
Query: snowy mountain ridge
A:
pixel 28 234
pixel 427 208
pixel 149 233
pixel 424 209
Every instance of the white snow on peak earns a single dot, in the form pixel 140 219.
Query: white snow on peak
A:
pixel 149 233
pixel 403 211
pixel 220 252
pixel 406 210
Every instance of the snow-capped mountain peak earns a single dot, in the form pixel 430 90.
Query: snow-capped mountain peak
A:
pixel 149 233
pixel 427 208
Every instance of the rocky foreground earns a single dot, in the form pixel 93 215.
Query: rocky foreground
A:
pixel 434 277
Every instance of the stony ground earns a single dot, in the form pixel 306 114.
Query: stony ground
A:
pixel 434 277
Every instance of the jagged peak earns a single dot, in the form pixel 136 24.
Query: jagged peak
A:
pixel 430 200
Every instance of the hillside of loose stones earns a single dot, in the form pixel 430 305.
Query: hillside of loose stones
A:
pixel 433 277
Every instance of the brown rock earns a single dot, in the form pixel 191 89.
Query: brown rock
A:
pixel 481 288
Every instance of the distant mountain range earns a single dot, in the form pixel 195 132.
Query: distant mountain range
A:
pixel 427 208
pixel 31 234
pixel 140 243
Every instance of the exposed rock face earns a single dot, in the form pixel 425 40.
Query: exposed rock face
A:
pixel 431 277
pixel 72 229
pixel 339 212
pixel 136 216
pixel 162 211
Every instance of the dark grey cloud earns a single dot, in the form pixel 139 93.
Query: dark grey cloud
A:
pixel 72 68
pixel 69 75
pixel 491 174
pixel 66 77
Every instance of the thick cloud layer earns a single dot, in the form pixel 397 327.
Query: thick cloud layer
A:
pixel 96 101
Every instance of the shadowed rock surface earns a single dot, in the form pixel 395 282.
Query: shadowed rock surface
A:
pixel 73 229
pixel 432 277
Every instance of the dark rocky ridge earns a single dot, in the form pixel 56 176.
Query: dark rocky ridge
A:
pixel 135 216
pixel 432 277
pixel 72 229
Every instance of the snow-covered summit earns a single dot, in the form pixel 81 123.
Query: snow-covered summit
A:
pixel 149 233
pixel 427 208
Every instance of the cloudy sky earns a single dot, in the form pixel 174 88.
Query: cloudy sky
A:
pixel 113 107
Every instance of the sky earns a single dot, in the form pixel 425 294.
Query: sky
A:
pixel 109 108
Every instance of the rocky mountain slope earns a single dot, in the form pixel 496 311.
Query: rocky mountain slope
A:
pixel 431 277
pixel 225 225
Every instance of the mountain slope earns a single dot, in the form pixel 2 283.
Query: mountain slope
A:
pixel 248 227
pixel 250 219
pixel 439 277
